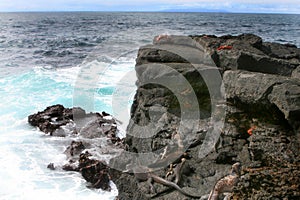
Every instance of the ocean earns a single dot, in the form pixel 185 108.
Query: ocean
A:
pixel 45 58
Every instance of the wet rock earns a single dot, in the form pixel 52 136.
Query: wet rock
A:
pixel 94 172
pixel 74 149
pixel 51 166
pixel 71 166
pixel 52 118
pixel 87 131
pixel 59 121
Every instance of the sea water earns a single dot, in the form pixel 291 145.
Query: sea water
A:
pixel 50 58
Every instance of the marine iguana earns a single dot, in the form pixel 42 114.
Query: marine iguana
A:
pixel 226 183
pixel 143 173
pixel 148 176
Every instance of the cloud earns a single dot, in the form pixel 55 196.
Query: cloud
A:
pixel 247 6
pixel 234 5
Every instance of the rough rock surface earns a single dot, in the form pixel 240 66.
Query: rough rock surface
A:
pixel 261 126
pixel 260 129
pixel 81 127
pixel 250 53
pixel 277 94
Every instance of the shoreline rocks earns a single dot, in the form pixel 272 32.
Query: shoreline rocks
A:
pixel 250 53
pixel 86 132
pixel 261 125
pixel 251 116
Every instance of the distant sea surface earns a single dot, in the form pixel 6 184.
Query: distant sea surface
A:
pixel 42 55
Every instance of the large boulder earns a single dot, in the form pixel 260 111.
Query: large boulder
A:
pixel 249 52
pixel 270 96
pixel 260 128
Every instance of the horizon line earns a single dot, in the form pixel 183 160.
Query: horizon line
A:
pixel 146 11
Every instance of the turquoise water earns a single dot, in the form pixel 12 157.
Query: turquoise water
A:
pixel 78 59
pixel 25 151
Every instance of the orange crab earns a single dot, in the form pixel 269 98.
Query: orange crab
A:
pixel 249 131
pixel 227 47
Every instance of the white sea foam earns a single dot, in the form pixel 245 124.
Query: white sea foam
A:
pixel 31 39
pixel 25 152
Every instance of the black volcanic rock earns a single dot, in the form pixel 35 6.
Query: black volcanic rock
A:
pixel 50 119
pixel 75 148
pixel 83 128
pixel 59 121
pixel 268 92
pixel 94 172
pixel 51 166
pixel 250 53
pixel 261 127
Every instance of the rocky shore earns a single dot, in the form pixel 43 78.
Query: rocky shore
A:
pixel 90 134
pixel 203 103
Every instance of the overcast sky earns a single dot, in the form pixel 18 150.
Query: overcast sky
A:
pixel 261 6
